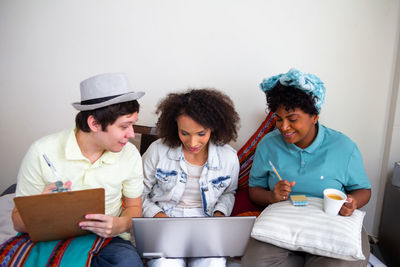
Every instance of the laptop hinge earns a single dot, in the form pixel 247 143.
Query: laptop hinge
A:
pixel 153 254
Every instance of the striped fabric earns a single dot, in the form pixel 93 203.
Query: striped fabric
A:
pixel 246 153
pixel 309 229
pixel 21 251
pixel 14 251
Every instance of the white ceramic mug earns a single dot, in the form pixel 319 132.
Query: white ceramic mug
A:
pixel 333 201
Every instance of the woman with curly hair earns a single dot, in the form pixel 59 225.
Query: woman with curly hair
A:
pixel 191 171
pixel 312 156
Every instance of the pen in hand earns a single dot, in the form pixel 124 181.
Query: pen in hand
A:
pixel 273 167
pixel 284 190
pixel 53 169
pixel 59 183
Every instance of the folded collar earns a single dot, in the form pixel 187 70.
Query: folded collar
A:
pixel 314 145
pixel 213 160
pixel 73 152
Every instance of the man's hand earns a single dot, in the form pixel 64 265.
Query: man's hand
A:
pixel 50 187
pixel 110 226
pixel 102 225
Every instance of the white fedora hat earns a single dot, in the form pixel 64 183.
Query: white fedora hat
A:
pixel 104 90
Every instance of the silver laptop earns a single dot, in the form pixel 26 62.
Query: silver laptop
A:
pixel 192 236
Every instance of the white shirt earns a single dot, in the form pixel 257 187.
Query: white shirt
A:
pixel 191 197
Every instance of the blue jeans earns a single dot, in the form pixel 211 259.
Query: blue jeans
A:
pixel 117 253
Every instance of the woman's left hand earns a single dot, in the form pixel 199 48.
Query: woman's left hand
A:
pixel 348 207
pixel 102 225
pixel 218 214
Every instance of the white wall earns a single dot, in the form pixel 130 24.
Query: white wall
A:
pixel 392 140
pixel 47 47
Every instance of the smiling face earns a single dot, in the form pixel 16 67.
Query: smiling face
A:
pixel 115 137
pixel 296 126
pixel 193 136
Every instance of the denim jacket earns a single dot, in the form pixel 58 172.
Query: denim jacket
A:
pixel 165 176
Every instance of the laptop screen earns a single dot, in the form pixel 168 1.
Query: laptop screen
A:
pixel 192 236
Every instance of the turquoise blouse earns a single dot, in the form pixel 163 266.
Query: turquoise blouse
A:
pixel 331 161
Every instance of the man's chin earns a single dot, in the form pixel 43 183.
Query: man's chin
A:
pixel 116 150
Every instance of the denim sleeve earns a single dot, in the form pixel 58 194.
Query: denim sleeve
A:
pixel 150 159
pixel 227 199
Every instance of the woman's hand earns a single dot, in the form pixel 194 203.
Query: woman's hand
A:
pixel 263 197
pixel 355 200
pixel 348 207
pixel 161 215
pixel 282 190
pixel 218 214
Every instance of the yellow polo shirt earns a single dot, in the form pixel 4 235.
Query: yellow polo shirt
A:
pixel 120 174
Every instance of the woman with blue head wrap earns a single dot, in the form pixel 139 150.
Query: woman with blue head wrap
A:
pixel 310 158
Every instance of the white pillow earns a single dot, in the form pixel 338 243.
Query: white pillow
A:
pixel 6 225
pixel 309 229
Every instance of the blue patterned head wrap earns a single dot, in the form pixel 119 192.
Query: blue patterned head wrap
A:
pixel 308 83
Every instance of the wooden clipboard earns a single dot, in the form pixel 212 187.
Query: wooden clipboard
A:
pixel 56 216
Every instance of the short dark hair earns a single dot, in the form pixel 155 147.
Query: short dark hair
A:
pixel 106 115
pixel 210 108
pixel 291 98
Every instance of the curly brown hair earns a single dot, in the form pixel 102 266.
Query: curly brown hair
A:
pixel 291 98
pixel 208 107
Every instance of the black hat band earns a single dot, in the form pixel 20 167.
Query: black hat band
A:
pixel 98 100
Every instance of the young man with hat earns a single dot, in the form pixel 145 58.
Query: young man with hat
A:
pixel 95 154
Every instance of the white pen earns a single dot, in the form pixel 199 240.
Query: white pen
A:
pixel 53 169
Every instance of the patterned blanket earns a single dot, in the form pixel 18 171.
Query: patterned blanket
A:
pixel 79 251
pixel 246 153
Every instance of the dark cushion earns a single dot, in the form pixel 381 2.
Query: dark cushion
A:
pixel 243 205
pixel 9 190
